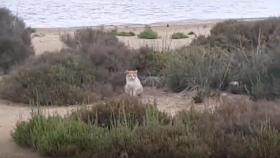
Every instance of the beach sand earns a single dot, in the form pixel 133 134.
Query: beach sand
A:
pixel 48 39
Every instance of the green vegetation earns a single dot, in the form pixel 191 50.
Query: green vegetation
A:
pixel 126 111
pixel 148 62
pixel 109 57
pixel 235 51
pixel 15 41
pixel 179 35
pixel 123 33
pixel 191 33
pixel 233 130
pixel 51 79
pixel 148 33
pixel 92 67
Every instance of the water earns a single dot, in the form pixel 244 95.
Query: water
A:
pixel 70 13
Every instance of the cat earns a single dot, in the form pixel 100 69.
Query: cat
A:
pixel 133 86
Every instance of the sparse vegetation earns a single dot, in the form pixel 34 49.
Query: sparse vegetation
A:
pixel 234 129
pixel 179 35
pixel 15 41
pixel 148 33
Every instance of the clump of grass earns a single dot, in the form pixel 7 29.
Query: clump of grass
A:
pixel 179 35
pixel 51 79
pixel 15 41
pixel 126 111
pixel 148 33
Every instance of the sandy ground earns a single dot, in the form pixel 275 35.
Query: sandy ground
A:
pixel 47 39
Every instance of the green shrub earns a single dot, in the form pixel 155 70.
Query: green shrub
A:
pixel 123 33
pixel 247 35
pixel 179 35
pixel 15 41
pixel 54 136
pixel 51 79
pixel 148 33
pixel 148 62
pixel 235 129
pixel 126 111
pixel 105 53
pixel 192 67
pixel 191 33
pixel 235 51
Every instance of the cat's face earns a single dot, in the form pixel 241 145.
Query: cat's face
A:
pixel 131 74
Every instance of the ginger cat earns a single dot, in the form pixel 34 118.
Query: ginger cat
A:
pixel 133 85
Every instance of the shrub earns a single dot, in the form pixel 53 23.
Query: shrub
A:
pixel 235 129
pixel 105 53
pixel 192 67
pixel 191 33
pixel 126 111
pixel 15 41
pixel 51 79
pixel 234 35
pixel 53 136
pixel 148 33
pixel 148 62
pixel 179 35
pixel 235 51
pixel 123 33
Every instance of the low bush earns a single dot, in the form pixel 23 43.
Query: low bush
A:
pixel 123 33
pixel 51 79
pixel 235 51
pixel 192 67
pixel 191 33
pixel 127 111
pixel 179 35
pixel 148 33
pixel 105 53
pixel 238 129
pixel 15 41
pixel 54 136
pixel 149 62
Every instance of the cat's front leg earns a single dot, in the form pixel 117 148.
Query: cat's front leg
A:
pixel 134 92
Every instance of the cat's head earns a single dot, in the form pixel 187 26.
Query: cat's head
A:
pixel 131 74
